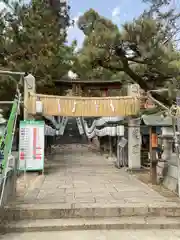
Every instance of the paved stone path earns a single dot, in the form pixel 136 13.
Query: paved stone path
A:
pixel 79 176
pixel 98 235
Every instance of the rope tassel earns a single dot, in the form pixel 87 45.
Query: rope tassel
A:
pixel 59 106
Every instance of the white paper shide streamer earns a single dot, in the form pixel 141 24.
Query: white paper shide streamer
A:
pixel 96 105
pixel 112 106
pixel 59 106
pixel 74 108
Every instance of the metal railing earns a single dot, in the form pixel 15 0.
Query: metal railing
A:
pixel 8 182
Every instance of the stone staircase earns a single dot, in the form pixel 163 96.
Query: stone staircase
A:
pixel 53 217
pixel 82 190
pixel 71 134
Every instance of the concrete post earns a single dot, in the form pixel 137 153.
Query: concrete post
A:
pixel 134 136
pixel 167 135
pixel 29 86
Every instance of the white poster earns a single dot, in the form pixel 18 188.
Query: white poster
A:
pixel 31 145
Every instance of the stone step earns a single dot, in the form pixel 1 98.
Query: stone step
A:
pixel 56 211
pixel 92 224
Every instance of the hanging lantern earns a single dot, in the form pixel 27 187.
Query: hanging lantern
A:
pixel 39 106
pixel 120 130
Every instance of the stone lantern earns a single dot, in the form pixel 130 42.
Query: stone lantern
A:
pixel 167 136
pixel 167 141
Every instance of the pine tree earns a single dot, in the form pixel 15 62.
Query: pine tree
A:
pixel 32 40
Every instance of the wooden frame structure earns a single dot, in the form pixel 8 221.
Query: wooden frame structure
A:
pixel 84 87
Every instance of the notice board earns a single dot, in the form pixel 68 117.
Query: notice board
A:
pixel 31 145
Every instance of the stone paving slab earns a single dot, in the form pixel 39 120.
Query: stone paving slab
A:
pixel 98 235
pixel 77 175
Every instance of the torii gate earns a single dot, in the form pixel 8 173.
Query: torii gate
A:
pixel 73 106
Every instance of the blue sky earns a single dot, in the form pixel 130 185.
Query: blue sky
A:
pixel 119 11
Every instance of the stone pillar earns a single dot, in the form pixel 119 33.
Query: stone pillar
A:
pixel 134 144
pixel 134 135
pixel 73 89
pixel 29 86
